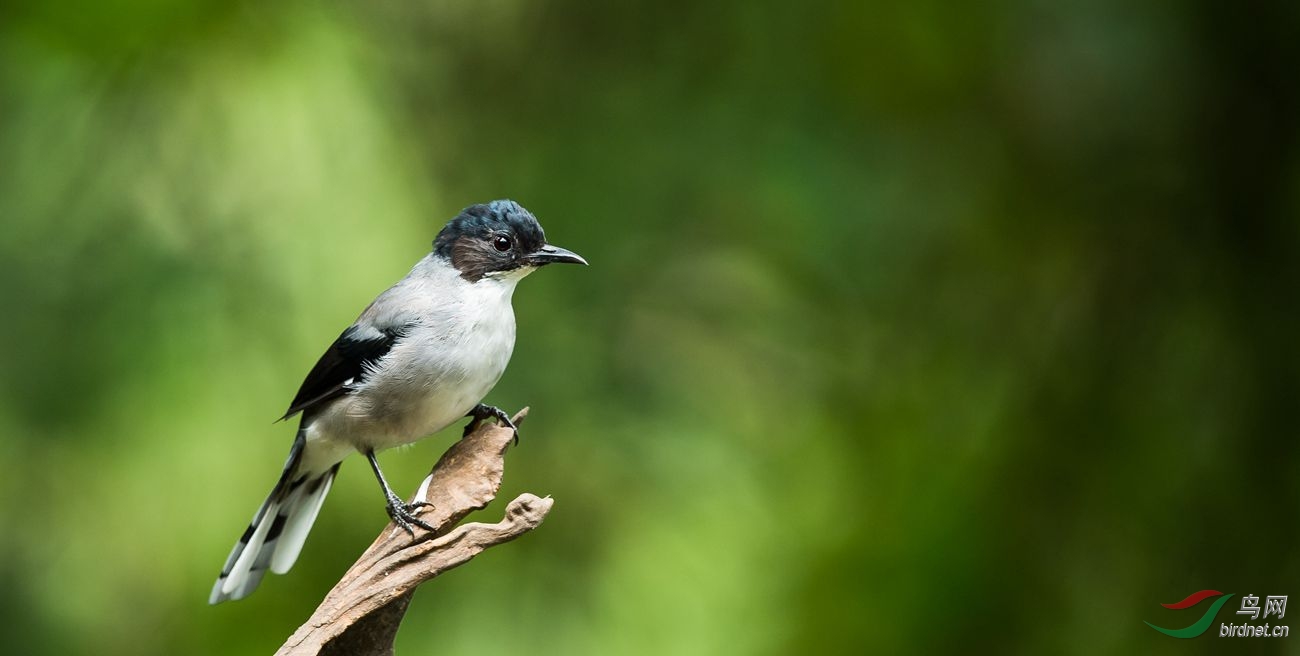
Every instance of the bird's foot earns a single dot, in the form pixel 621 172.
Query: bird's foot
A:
pixel 403 514
pixel 482 411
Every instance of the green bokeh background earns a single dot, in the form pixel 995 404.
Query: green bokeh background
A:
pixel 910 327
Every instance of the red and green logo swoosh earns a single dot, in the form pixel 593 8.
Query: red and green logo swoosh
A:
pixel 1201 625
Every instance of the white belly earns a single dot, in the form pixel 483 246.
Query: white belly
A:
pixel 429 383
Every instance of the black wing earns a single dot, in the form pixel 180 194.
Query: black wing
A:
pixel 343 364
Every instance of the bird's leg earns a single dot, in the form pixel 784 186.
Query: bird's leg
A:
pixel 401 512
pixel 483 411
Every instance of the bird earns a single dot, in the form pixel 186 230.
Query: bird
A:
pixel 423 355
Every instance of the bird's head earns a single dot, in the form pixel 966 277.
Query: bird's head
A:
pixel 497 239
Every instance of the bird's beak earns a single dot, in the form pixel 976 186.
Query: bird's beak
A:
pixel 549 254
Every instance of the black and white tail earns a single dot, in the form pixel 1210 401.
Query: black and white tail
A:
pixel 275 536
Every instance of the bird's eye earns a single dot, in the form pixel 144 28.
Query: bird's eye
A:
pixel 501 243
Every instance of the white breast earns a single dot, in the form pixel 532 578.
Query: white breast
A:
pixel 448 361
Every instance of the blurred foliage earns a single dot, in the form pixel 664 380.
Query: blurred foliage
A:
pixel 910 327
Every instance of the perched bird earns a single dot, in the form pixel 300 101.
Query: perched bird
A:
pixel 423 355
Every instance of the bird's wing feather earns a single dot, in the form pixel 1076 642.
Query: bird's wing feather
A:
pixel 346 362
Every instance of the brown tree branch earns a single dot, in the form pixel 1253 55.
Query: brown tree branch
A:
pixel 363 611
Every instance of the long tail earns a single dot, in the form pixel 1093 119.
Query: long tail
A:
pixel 275 537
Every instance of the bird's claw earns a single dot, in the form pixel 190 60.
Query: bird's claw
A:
pixel 482 411
pixel 403 514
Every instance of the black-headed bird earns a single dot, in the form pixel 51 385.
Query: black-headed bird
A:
pixel 423 355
